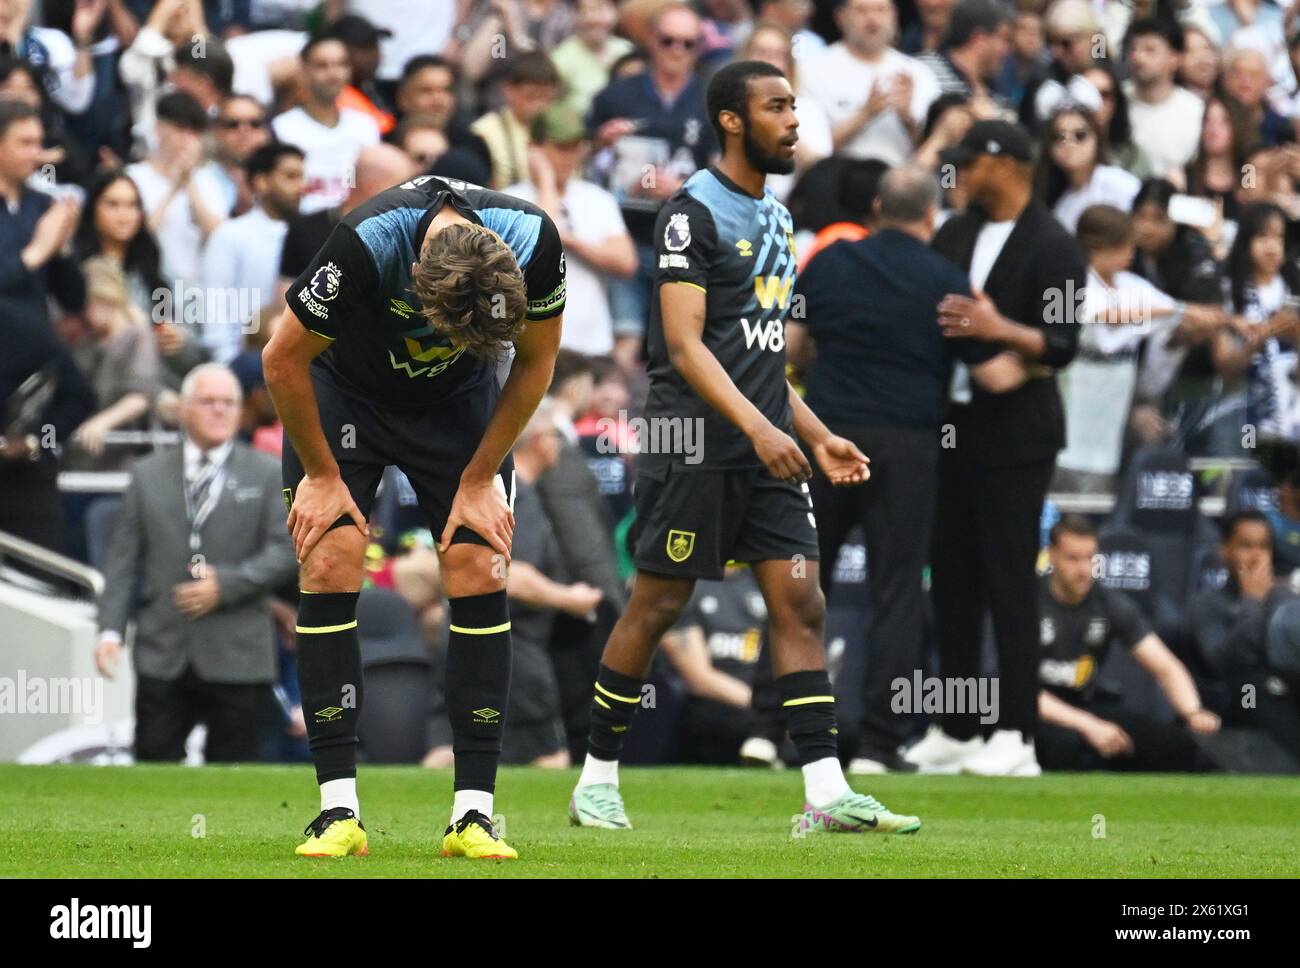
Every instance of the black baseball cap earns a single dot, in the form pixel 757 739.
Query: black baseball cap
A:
pixel 990 138
pixel 356 31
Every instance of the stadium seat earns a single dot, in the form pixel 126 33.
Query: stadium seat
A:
pixel 1250 489
pixel 1152 574
pixel 398 679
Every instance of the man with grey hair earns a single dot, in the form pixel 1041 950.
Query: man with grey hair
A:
pixel 880 378
pixel 201 532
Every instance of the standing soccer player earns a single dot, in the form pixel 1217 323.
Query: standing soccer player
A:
pixel 387 355
pixel 726 266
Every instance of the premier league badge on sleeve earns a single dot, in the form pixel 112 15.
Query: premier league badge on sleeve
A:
pixel 325 283
pixel 677 234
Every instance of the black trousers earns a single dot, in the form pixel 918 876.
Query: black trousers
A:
pixel 986 543
pixel 1157 746
pixel 895 509
pixel 167 709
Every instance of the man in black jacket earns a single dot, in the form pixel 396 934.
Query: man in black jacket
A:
pixel 1027 276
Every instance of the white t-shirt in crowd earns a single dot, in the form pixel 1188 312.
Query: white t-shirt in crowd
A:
pixel 1109 185
pixel 331 153
pixel 241 266
pixel 593 216
pixel 180 240
pixel 1168 132
pixel 253 54
pixel 988 246
pixel 840 82
pixel 418 26
pixel 1097 388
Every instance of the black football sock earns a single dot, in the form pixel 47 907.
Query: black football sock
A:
pixel 478 684
pixel 329 675
pixel 809 711
pixel 613 704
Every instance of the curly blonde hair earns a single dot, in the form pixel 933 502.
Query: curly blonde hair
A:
pixel 471 290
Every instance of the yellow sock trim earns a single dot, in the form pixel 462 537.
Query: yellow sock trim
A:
pixel 503 627
pixel 316 629
pixel 615 695
pixel 602 702
pixel 807 699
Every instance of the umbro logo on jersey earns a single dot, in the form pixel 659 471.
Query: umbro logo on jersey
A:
pixel 745 248
pixel 401 307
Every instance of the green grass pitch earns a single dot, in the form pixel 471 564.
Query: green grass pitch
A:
pixel 166 821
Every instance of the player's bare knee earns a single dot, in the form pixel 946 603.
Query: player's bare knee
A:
pixel 473 569
pixel 660 607
pixel 335 564
pixel 803 611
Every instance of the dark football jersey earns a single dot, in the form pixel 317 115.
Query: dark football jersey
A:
pixel 1074 639
pixel 357 292
pixel 740 251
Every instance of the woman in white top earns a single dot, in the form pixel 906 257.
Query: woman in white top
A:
pixel 1071 175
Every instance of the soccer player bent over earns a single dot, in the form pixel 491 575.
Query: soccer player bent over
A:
pixel 717 357
pixel 387 356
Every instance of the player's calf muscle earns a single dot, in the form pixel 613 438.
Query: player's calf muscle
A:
pixel 336 563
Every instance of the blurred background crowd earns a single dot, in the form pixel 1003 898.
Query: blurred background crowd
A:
pixel 169 166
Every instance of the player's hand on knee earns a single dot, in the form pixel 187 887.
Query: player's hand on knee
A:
pixel 482 507
pixel 781 455
pixel 317 504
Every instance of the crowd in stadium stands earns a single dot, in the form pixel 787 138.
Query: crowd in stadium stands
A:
pixel 1092 306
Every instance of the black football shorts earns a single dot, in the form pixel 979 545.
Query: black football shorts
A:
pixel 691 521
pixel 431 447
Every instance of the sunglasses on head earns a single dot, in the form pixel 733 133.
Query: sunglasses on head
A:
pixel 685 43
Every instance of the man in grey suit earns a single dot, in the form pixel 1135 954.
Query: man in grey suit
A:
pixel 201 533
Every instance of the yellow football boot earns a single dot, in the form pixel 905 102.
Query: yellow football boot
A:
pixel 474 836
pixel 335 833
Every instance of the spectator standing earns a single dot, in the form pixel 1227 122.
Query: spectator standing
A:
pixel 239 129
pixel 528 87
pixel 64 60
pixel 34 228
pixel 1071 174
pixel 596 243
pixel 652 131
pixel 1166 117
pixel 584 58
pixel 113 227
pixel 242 258
pixel 1259 361
pixel 329 136
pixel 880 378
pixel 211 517
pixel 149 59
pixel 1026 272
pixel 183 197
pixel 121 363
pixel 875 96
pixel 974 49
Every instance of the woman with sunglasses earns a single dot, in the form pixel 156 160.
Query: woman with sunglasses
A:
pixel 1071 175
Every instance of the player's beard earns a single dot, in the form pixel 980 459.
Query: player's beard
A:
pixel 761 160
